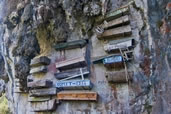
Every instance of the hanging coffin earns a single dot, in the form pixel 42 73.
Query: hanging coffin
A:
pixel 77 95
pixel 114 14
pixel 38 99
pixel 44 106
pixel 43 92
pixel 72 63
pixel 117 22
pixel 40 61
pixel 119 76
pixel 40 84
pixel 74 84
pixel 71 45
pixel 113 61
pixel 119 44
pixel 74 73
pixel 40 69
pixel 116 32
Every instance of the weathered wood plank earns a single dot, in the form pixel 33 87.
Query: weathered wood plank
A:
pixel 118 76
pixel 38 99
pixel 40 69
pixel 71 45
pixel 44 106
pixel 72 63
pixel 124 43
pixel 117 22
pixel 40 84
pixel 72 73
pixel 77 95
pixel 116 32
pixel 43 92
pixel 74 84
pixel 40 61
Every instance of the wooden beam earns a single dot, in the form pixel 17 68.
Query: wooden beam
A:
pixel 40 61
pixel 117 22
pixel 69 74
pixel 40 84
pixel 71 45
pixel 116 32
pixel 71 63
pixel 38 99
pixel 118 76
pixel 74 84
pixel 43 92
pixel 119 44
pixel 40 69
pixel 44 106
pixel 77 95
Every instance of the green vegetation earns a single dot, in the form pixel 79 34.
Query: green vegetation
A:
pixel 4 105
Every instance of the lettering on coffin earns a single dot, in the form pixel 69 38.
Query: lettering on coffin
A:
pixel 76 83
pixel 113 59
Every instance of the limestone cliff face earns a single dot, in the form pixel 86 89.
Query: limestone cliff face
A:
pixel 32 28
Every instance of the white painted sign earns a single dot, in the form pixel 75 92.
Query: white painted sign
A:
pixel 73 83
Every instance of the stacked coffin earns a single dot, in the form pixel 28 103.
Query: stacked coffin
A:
pixel 18 88
pixel 41 92
pixel 117 31
pixel 72 75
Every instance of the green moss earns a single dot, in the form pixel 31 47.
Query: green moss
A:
pixel 4 105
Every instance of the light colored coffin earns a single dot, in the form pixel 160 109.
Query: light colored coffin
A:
pixel 44 106
pixel 116 32
pixel 124 43
pixel 71 63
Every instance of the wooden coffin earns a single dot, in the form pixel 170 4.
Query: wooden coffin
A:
pixel 114 62
pixel 40 69
pixel 113 14
pixel 44 106
pixel 43 92
pixel 77 95
pixel 72 63
pixel 74 84
pixel 38 99
pixel 116 32
pixel 119 44
pixel 19 90
pixel 117 22
pixel 40 84
pixel 69 74
pixel 71 45
pixel 40 61
pixel 118 76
